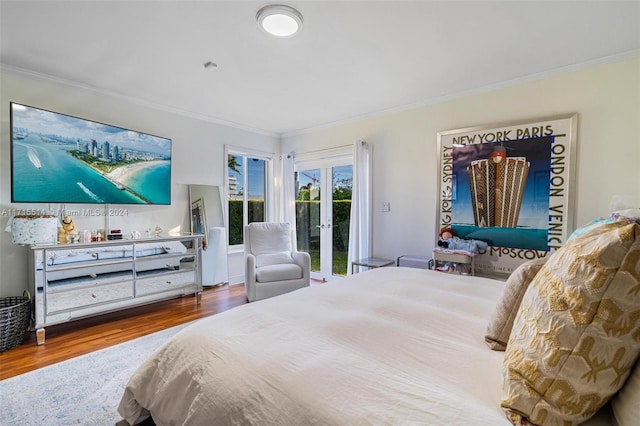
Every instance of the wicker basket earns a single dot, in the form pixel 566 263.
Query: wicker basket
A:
pixel 15 314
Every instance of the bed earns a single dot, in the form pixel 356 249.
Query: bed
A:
pixel 390 346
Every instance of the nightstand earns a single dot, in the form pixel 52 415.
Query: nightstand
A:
pixel 444 255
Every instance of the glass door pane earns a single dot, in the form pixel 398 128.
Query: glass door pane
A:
pixel 308 214
pixel 342 179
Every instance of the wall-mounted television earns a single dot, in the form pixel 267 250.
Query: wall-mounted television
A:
pixel 58 158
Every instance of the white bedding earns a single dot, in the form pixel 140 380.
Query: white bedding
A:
pixel 391 346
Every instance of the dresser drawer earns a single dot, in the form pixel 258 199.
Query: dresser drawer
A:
pixel 98 292
pixel 155 283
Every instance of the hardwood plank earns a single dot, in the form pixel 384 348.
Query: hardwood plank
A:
pixel 80 337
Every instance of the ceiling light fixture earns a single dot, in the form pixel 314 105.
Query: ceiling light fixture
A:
pixel 279 20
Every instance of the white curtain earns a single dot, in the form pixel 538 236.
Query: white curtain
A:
pixel 289 193
pixel 360 223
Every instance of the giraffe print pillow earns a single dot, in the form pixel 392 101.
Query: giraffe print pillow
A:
pixel 577 332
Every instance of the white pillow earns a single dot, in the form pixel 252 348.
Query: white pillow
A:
pixel 626 403
pixel 273 259
pixel 628 213
pixel 268 237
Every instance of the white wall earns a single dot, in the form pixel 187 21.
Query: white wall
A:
pixel 198 158
pixel 606 98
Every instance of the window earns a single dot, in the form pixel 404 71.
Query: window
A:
pixel 248 191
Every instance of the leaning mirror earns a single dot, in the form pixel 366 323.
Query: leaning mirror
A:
pixel 207 218
pixel 199 221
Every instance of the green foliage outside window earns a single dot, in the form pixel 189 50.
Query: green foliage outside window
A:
pixel 256 214
pixel 304 211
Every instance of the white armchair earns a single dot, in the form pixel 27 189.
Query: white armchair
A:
pixel 272 266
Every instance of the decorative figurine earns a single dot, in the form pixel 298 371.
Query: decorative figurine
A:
pixel 68 232
pixel 449 240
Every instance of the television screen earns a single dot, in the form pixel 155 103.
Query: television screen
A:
pixel 57 158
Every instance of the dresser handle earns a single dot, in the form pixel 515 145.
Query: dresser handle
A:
pixel 92 275
pixel 94 295
pixel 168 281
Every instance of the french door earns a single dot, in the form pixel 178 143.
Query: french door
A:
pixel 323 208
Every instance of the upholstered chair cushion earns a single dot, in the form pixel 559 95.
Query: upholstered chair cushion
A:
pixel 267 259
pixel 278 273
pixel 504 313
pixel 576 335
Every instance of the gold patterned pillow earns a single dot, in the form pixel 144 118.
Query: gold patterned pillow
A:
pixel 499 329
pixel 626 403
pixel 577 332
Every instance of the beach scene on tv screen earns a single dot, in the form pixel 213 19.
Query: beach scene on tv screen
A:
pixel 65 159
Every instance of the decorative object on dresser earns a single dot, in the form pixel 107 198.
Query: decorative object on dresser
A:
pixel 86 279
pixel 114 234
pixel 67 232
pixel 33 229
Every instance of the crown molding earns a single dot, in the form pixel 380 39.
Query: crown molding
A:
pixel 134 100
pixel 631 54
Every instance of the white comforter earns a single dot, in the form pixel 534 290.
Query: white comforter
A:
pixel 391 346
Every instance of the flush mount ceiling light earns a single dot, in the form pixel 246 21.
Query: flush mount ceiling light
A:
pixel 279 20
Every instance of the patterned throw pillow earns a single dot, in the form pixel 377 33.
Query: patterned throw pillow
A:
pixel 499 329
pixel 626 403
pixel 577 333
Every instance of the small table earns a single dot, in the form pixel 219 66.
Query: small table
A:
pixel 372 262
pixel 441 255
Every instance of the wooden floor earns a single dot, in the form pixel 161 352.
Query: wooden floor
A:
pixel 76 338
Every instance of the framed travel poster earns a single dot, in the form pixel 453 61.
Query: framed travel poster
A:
pixel 510 185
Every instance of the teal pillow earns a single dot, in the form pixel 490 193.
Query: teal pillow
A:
pixel 595 223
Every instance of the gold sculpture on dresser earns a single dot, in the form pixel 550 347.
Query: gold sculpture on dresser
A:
pixel 68 233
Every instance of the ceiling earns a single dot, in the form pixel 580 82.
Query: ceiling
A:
pixel 352 58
